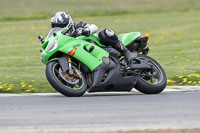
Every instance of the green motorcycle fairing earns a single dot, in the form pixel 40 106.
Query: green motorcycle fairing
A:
pixel 93 38
pixel 127 38
pixel 65 44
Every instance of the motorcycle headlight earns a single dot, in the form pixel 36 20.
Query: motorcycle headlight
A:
pixel 52 46
pixel 42 58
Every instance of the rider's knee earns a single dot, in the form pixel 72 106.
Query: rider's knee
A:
pixel 108 37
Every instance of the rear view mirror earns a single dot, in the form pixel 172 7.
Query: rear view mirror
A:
pixel 40 38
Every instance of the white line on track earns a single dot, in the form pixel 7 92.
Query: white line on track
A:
pixel 168 89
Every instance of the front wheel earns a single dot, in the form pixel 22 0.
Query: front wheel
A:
pixel 151 84
pixel 69 85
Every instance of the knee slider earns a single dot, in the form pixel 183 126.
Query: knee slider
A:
pixel 109 33
pixel 108 37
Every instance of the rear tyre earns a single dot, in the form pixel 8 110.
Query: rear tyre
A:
pixel 71 86
pixel 153 85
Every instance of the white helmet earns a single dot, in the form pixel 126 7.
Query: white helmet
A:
pixel 61 19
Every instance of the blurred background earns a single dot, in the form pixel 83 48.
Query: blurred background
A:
pixel 173 25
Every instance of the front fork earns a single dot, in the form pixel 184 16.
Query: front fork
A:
pixel 66 65
pixel 76 72
pixel 70 65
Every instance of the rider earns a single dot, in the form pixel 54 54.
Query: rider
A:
pixel 106 36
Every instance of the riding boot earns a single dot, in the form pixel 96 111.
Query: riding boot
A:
pixel 108 37
pixel 127 54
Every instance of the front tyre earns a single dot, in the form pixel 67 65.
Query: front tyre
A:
pixel 154 84
pixel 72 86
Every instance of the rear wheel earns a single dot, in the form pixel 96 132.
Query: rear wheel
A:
pixel 72 85
pixel 151 81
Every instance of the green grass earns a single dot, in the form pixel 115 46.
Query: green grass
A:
pixel 12 10
pixel 174 37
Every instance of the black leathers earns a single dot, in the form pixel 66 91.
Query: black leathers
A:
pixel 109 38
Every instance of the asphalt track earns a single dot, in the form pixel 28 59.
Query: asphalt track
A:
pixel 100 112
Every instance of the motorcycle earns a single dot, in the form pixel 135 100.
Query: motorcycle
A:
pixel 76 64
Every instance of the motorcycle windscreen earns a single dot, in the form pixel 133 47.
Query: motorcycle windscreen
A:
pixel 53 30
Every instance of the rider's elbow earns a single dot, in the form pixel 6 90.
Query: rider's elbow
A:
pixel 93 29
